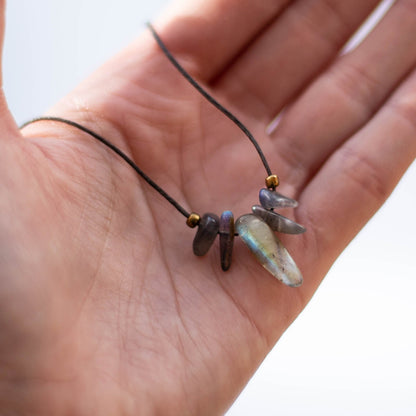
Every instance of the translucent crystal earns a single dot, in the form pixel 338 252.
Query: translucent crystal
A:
pixel 205 236
pixel 268 250
pixel 272 199
pixel 226 239
pixel 278 222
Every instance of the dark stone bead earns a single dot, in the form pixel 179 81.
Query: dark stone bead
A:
pixel 272 199
pixel 205 236
pixel 227 232
pixel 277 222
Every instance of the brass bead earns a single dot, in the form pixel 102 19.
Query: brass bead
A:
pixel 272 181
pixel 193 220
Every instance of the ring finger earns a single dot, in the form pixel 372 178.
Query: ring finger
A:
pixel 346 96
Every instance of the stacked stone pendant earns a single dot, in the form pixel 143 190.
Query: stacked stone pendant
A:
pixel 257 232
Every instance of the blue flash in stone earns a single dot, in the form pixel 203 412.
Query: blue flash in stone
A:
pixel 268 250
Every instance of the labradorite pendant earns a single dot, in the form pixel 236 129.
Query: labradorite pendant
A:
pixel 257 232
pixel 268 250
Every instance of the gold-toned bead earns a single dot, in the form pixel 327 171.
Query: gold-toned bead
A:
pixel 193 220
pixel 272 181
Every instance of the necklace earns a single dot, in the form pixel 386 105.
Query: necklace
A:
pixel 256 229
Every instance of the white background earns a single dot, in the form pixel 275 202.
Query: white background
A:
pixel 352 351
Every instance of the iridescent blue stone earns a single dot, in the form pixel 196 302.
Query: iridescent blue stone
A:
pixel 268 250
pixel 227 232
pixel 272 199
pixel 277 222
pixel 205 236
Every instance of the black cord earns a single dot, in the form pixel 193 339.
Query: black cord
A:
pixel 116 150
pixel 211 99
pixel 120 153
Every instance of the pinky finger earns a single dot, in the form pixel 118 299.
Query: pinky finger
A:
pixel 356 180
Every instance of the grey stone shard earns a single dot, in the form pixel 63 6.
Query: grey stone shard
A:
pixel 272 199
pixel 227 231
pixel 278 222
pixel 205 236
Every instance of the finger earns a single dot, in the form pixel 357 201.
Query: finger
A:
pixel 291 52
pixel 212 33
pixel 358 178
pixel 343 99
pixel 7 124
pixel 2 28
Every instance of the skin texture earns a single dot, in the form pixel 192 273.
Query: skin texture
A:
pixel 103 307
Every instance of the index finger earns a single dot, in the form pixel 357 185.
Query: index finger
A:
pixel 212 33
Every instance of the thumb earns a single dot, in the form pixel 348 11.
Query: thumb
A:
pixel 8 126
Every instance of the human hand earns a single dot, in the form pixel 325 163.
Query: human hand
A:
pixel 114 326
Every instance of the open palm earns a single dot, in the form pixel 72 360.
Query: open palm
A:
pixel 103 307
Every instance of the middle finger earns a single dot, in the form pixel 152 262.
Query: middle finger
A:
pixel 289 53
